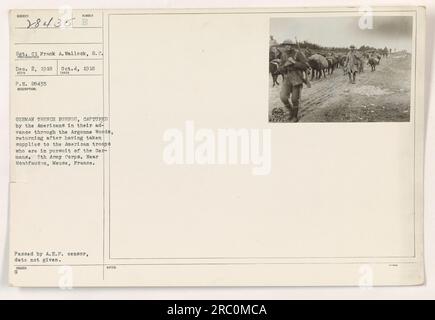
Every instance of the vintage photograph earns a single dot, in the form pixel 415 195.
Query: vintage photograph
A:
pixel 340 69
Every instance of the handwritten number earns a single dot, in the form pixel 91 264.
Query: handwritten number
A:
pixel 38 23
pixel 33 24
pixel 47 23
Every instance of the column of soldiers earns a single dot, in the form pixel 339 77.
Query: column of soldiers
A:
pixel 293 65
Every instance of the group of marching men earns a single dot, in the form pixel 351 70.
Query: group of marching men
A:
pixel 292 64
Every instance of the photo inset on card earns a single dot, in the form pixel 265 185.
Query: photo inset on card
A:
pixel 340 69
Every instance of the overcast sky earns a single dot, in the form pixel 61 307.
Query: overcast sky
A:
pixel 392 32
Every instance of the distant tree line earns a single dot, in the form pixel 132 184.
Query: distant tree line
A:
pixel 315 47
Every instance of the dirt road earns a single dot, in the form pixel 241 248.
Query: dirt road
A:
pixel 383 95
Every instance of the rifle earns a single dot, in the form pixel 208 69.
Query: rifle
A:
pixel 302 53
pixel 297 43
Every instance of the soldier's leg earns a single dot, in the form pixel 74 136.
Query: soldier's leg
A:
pixel 296 98
pixel 285 95
pixel 274 79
